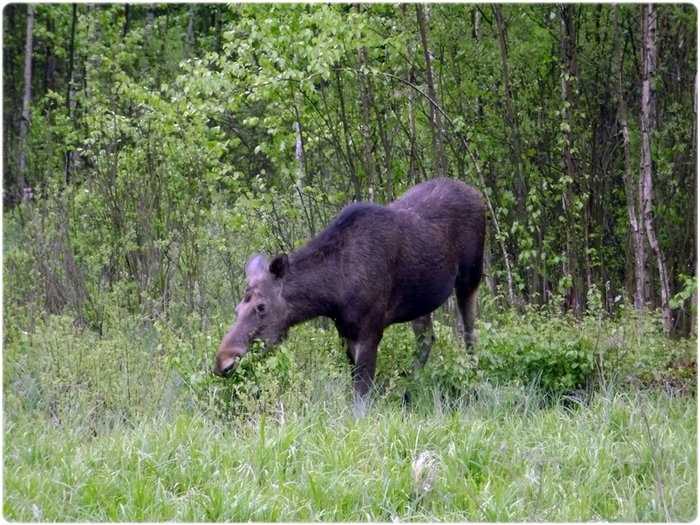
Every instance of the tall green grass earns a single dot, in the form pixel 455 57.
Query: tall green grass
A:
pixel 130 426
pixel 627 457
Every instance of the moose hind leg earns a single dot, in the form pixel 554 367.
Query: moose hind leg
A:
pixel 425 337
pixel 466 302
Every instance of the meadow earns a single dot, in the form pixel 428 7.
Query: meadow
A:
pixel 555 419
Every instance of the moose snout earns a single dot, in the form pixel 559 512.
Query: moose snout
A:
pixel 226 360
pixel 224 365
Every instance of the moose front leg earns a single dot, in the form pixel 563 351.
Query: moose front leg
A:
pixel 362 354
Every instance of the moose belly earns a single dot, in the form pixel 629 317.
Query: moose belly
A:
pixel 418 299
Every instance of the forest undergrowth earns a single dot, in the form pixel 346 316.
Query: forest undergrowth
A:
pixel 552 419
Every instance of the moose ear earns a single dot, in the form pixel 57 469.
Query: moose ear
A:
pixel 254 266
pixel 279 265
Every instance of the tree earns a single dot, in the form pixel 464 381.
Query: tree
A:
pixel 26 100
pixel 71 94
pixel 631 187
pixel 436 129
pixel 649 56
pixel 167 128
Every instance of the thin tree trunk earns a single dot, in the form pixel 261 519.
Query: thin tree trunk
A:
pixel 163 40
pixel 413 171
pixel 498 233
pixel 299 152
pixel 93 63
pixel 515 143
pixel 365 104
pixel 11 91
pixel 645 178
pixel 348 139
pixel 568 77
pixel 148 35
pixel 694 152
pixel 303 177
pixel 26 101
pixel 386 146
pixel 127 20
pixel 476 23
pixel 636 231
pixel 70 95
pixel 189 36
pixel 510 115
pixel 219 29
pixel 436 130
pixel 150 15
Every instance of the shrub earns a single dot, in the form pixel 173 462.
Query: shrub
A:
pixel 67 375
pixel 305 368
pixel 556 354
pixel 550 353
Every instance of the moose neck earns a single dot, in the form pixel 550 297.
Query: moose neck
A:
pixel 309 286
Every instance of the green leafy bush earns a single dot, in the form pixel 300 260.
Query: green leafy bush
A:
pixel 549 353
pixel 556 354
pixel 304 369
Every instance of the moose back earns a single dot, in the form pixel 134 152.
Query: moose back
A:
pixel 373 266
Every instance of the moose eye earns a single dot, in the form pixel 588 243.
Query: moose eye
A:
pixel 260 308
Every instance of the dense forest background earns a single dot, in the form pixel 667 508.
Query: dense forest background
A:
pixel 149 149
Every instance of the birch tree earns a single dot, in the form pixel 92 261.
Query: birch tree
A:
pixel 645 178
pixel 631 187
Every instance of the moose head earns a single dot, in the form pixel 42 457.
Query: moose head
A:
pixel 262 314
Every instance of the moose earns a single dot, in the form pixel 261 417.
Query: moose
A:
pixel 373 266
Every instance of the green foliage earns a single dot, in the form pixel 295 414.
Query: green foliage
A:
pixel 76 379
pixel 74 376
pixel 259 122
pixel 549 354
pixel 304 369
pixel 690 286
pixel 561 355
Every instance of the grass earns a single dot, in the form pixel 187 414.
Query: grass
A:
pixel 623 458
pixel 126 428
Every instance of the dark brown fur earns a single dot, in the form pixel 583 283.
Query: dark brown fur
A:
pixel 371 267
